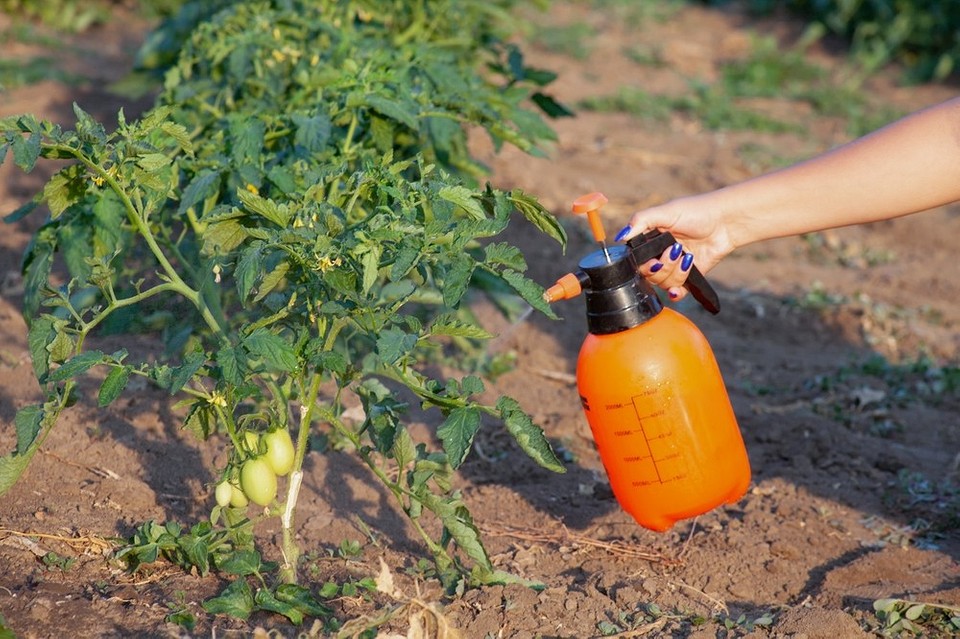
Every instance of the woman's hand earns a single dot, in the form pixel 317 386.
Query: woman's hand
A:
pixel 700 237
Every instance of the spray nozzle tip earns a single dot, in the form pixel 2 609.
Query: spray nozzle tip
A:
pixel 567 287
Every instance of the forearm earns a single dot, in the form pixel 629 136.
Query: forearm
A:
pixel 909 166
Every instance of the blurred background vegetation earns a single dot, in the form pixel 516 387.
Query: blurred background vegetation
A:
pixel 919 35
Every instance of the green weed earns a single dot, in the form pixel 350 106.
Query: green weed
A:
pixel 916 618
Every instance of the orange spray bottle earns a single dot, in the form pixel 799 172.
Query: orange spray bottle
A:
pixel 650 386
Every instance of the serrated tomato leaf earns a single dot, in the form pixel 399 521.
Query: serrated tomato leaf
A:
pixel 458 432
pixel 528 435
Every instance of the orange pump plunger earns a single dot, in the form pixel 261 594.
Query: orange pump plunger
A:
pixel 591 204
pixel 652 392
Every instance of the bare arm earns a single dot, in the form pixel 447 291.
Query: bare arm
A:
pixel 908 166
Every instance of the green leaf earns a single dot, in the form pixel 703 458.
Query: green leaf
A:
pixel 404 450
pixel 529 436
pixel 505 254
pixel 271 280
pixel 251 260
pixel 61 347
pixel 536 214
pixel 179 133
pixel 40 334
pixel 457 433
pixel 30 422
pixel 11 467
pixel 109 215
pixel 64 189
pixel 22 211
pixel 88 129
pixel 370 259
pixel 153 162
pixel 231 366
pixel 530 291
pixel 265 600
pixel 411 250
pixel 303 599
pixel 464 198
pixel 183 373
pixel 202 186
pixel 457 279
pixel 332 361
pixel 236 601
pixel 27 421
pixel 37 262
pixel 502 578
pixel 312 133
pixel 241 563
pixel 452 326
pixel 77 365
pixel 5 631
pixel 197 552
pixel 393 343
pixel 26 151
pixel 392 109
pixel 279 214
pixel 913 612
pixel 457 521
pixel 246 137
pixel 550 106
pixel 201 420
pixel 273 349
pixel 222 236
pixel 885 605
pixel 113 385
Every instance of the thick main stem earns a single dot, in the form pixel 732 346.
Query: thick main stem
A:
pixel 289 547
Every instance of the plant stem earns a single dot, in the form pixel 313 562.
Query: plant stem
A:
pixel 289 547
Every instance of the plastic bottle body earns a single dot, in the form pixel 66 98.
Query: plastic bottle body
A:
pixel 662 421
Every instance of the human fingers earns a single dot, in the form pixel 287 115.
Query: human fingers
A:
pixel 670 270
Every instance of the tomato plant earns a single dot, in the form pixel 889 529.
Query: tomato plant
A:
pixel 299 221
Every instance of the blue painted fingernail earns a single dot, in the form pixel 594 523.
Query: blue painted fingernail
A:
pixel 656 267
pixel 676 250
pixel 622 234
pixel 686 262
pixel 673 294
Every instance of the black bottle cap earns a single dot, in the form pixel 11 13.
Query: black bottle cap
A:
pixel 617 298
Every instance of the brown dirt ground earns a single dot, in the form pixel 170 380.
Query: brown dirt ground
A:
pixel 828 526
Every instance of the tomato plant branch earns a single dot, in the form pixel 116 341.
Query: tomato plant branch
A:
pixel 138 217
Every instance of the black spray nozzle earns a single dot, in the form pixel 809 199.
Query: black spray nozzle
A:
pixel 652 244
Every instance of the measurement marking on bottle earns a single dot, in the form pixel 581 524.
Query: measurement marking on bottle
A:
pixel 655 437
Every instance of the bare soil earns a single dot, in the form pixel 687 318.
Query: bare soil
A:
pixel 851 497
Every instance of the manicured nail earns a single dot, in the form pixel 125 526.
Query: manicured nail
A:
pixel 656 267
pixel 622 234
pixel 676 250
pixel 686 262
pixel 673 293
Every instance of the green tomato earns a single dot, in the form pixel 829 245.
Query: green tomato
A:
pixel 224 493
pixel 258 481
pixel 237 498
pixel 280 452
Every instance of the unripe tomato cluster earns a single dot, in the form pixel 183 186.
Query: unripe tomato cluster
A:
pixel 271 455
